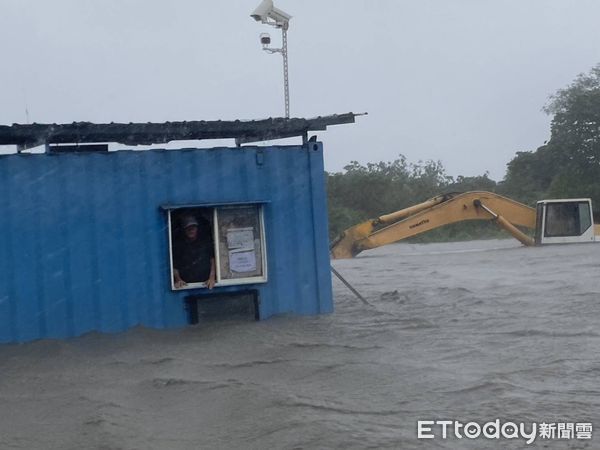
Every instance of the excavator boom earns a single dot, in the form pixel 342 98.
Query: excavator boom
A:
pixel 434 213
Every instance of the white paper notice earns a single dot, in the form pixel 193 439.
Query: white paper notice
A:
pixel 242 260
pixel 240 238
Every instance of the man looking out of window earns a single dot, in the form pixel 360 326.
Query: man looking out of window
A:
pixel 193 254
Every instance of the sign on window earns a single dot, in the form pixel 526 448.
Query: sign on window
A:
pixel 240 244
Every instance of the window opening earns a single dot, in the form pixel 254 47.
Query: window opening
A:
pixel 192 248
pixel 217 246
pixel 567 219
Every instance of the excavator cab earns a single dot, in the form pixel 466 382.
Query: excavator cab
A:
pixel 564 221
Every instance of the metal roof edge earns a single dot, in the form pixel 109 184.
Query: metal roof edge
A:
pixel 31 135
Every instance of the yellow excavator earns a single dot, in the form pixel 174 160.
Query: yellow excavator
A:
pixel 558 221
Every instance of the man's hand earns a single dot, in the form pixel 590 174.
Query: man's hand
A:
pixel 210 283
pixel 179 283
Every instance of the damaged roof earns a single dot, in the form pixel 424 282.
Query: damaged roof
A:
pixel 31 135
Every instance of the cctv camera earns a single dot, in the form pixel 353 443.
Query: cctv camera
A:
pixel 266 11
pixel 265 39
pixel 279 16
pixel 261 12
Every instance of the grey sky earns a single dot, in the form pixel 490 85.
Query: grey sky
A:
pixel 462 81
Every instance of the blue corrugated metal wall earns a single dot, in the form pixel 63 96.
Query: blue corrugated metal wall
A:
pixel 83 241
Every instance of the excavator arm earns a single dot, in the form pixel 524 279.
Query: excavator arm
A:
pixel 433 213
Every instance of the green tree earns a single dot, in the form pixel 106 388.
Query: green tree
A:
pixel 530 174
pixel 362 192
pixel 478 183
pixel 568 165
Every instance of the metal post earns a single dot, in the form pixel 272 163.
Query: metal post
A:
pixel 286 85
pixel 349 286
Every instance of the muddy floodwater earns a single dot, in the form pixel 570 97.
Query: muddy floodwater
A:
pixel 470 331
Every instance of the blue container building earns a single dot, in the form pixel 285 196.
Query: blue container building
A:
pixel 86 234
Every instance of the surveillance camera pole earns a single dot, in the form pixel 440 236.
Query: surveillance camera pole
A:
pixel 286 84
pixel 269 15
pixel 283 50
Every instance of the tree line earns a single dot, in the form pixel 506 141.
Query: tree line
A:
pixel 566 166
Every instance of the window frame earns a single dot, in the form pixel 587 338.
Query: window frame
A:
pixel 215 235
pixel 577 218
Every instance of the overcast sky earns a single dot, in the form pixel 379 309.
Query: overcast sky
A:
pixel 462 81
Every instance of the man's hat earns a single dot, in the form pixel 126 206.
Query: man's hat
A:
pixel 189 221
